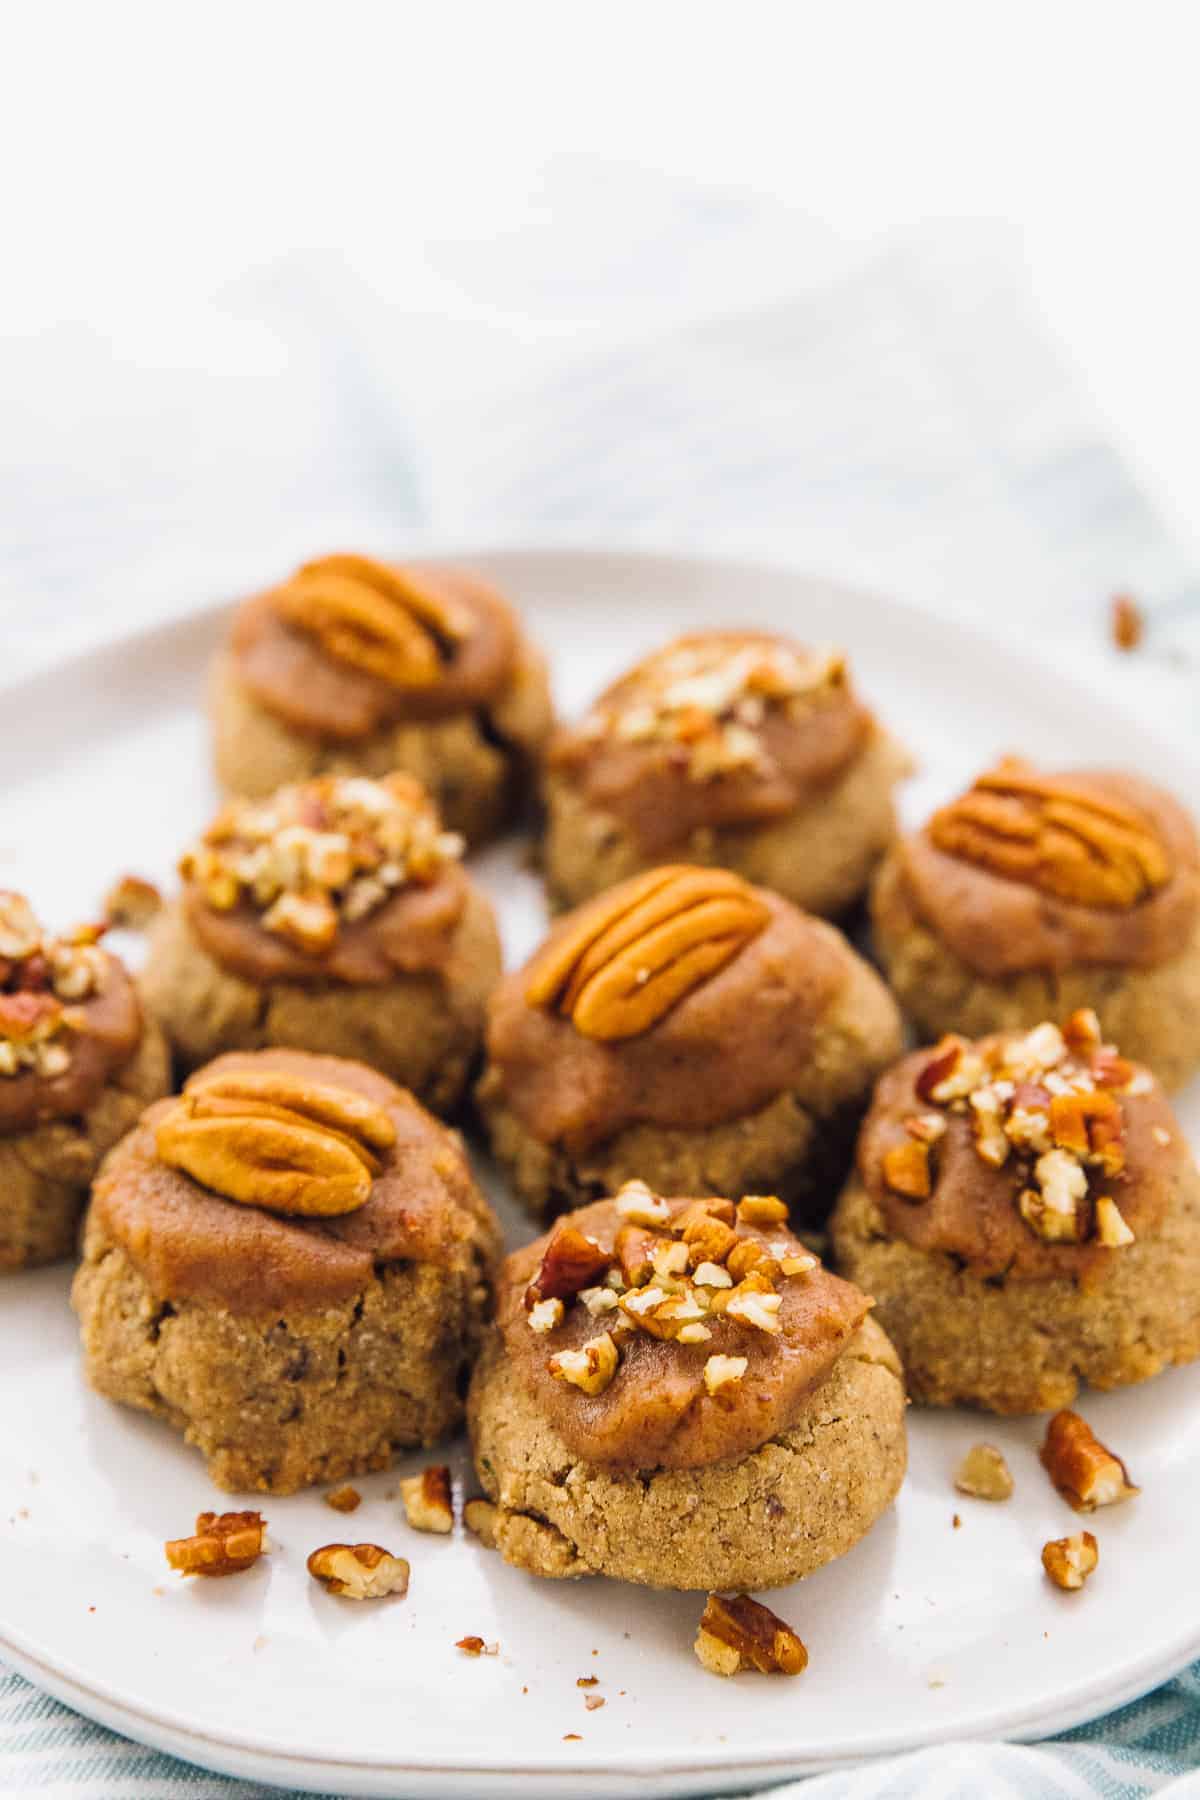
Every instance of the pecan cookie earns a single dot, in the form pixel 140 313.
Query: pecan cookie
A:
pixel 1026 1212
pixel 1034 894
pixel 740 749
pixel 691 1029
pixel 355 666
pixel 290 1263
pixel 677 1393
pixel 333 917
pixel 78 1062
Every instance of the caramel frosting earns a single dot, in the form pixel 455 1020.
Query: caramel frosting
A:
pixel 69 1019
pixel 192 1242
pixel 723 728
pixel 350 645
pixel 1028 1156
pixel 335 879
pixel 1029 871
pixel 683 997
pixel 672 1334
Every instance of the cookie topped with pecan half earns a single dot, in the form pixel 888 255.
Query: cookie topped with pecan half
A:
pixel 689 1019
pixel 354 665
pixel 1036 893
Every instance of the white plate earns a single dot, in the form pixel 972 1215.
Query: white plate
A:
pixel 922 1633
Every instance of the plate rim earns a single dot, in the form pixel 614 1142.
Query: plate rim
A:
pixel 721 1763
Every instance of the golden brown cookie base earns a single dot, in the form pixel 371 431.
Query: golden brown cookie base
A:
pixel 1025 1346
pixel 1153 1014
pixel 422 1031
pixel 277 1403
pixel 45 1173
pixel 756 1522
pixel 821 858
pixel 475 779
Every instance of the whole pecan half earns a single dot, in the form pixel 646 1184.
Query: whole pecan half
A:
pixel 627 958
pixel 270 1139
pixel 1054 834
pixel 375 617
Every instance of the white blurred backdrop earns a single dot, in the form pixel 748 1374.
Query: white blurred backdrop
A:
pixel 276 270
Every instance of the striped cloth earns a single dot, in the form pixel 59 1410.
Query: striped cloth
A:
pixel 829 409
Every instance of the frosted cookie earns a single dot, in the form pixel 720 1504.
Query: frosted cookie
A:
pixel 334 917
pixel 1032 895
pixel 1026 1212
pixel 690 1029
pixel 677 1393
pixel 290 1263
pixel 354 666
pixel 740 749
pixel 78 1062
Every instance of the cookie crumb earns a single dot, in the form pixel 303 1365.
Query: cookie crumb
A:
pixel 475 1646
pixel 345 1499
pixel 592 1701
pixel 957 1522
pixel 572 1737
pixel 586 1680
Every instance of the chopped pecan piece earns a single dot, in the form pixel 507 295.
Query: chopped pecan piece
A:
pixel 739 1633
pixel 591 1368
pixel 984 1474
pixel 1111 1229
pixel 906 1169
pixel 571 1262
pixel 427 1501
pixel 721 1372
pixel 224 1544
pixel 359 1571
pixel 761 1209
pixel 1127 622
pixel 1068 1561
pixel 475 1646
pixel 1084 1471
pixel 344 1499
pixel 131 903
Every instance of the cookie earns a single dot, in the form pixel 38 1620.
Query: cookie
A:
pixel 354 666
pixel 1033 895
pixel 290 1264
pixel 1026 1213
pixel 733 1436
pixel 737 749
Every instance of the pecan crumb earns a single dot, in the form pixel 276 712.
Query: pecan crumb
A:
pixel 359 1571
pixel 475 1646
pixel 984 1474
pixel 1085 1471
pixel 427 1502
pixel 131 904
pixel 737 1632
pixel 1069 1561
pixel 592 1701
pixel 1127 622
pixel 345 1499
pixel 224 1544
pixel 587 1680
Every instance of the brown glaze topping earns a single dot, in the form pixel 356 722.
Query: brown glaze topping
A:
pixel 69 1018
pixel 724 728
pixel 1029 1156
pixel 190 1242
pixel 349 645
pixel 339 878
pixel 1032 871
pixel 727 1043
pixel 672 1334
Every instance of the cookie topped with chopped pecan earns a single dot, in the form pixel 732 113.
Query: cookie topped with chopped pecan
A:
pixel 659 1333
